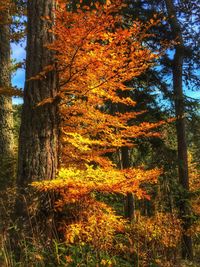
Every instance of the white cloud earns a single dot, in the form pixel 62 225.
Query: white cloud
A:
pixel 18 51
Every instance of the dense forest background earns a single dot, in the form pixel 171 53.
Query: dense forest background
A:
pixel 100 164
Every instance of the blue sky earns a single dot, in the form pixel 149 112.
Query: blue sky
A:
pixel 19 54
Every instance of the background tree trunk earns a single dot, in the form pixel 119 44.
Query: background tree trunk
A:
pixel 6 114
pixel 180 129
pixel 38 142
pixel 129 200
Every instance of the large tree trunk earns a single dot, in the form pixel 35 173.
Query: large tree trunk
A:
pixel 38 142
pixel 6 115
pixel 180 128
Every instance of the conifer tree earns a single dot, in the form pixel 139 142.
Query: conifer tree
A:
pixel 180 25
pixel 177 69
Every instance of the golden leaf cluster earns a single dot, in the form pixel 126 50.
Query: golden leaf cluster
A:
pixel 94 57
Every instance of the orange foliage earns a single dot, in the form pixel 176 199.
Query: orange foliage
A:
pixel 97 226
pixel 4 4
pixel 155 238
pixel 7 7
pixel 94 56
pixel 162 228
pixel 11 91
pixel 74 184
pixel 195 190
pixel 94 222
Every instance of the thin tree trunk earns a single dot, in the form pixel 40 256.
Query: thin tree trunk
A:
pixel 129 201
pixel 38 142
pixel 6 114
pixel 185 211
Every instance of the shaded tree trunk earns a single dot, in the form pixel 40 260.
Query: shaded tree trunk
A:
pixel 180 129
pixel 129 201
pixel 6 114
pixel 38 141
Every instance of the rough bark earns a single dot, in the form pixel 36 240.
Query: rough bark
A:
pixel 38 142
pixel 180 129
pixel 6 115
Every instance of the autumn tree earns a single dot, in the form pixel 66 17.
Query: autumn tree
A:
pixel 89 82
pixel 80 66
pixel 92 74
